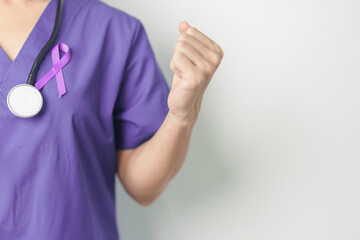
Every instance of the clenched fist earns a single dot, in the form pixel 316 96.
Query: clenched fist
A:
pixel 195 60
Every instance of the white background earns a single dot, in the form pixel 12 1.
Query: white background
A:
pixel 275 152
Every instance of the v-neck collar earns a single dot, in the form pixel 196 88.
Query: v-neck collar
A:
pixel 16 72
pixel 4 64
pixel 2 52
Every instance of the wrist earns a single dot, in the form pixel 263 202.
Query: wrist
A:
pixel 184 121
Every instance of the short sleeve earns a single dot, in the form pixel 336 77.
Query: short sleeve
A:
pixel 141 104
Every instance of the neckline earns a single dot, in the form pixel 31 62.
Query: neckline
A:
pixel 16 72
pixel 37 38
pixel 3 53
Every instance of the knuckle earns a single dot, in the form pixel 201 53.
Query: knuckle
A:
pixel 181 44
pixel 217 47
pixel 207 69
pixel 183 37
pixel 216 58
pixel 221 51
pixel 178 56
pixel 180 37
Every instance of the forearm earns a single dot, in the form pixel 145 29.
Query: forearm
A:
pixel 155 162
pixel 151 166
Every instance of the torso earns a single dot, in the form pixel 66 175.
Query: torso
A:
pixel 14 30
pixel 57 169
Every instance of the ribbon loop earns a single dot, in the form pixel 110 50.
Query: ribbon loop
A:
pixel 58 64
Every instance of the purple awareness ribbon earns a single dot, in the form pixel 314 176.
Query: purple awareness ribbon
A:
pixel 58 64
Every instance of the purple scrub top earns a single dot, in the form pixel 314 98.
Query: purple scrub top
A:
pixel 58 169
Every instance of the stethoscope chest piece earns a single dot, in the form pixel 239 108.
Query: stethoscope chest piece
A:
pixel 24 100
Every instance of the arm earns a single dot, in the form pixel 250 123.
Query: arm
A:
pixel 146 170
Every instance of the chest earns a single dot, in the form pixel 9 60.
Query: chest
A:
pixel 16 23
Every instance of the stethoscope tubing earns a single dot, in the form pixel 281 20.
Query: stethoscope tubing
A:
pixel 40 56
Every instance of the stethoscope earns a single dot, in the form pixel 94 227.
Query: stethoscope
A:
pixel 24 100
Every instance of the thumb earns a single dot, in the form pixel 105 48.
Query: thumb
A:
pixel 183 26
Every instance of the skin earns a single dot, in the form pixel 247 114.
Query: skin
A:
pixel 147 170
pixel 14 29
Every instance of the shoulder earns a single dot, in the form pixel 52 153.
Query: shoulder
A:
pixel 108 27
pixel 102 13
